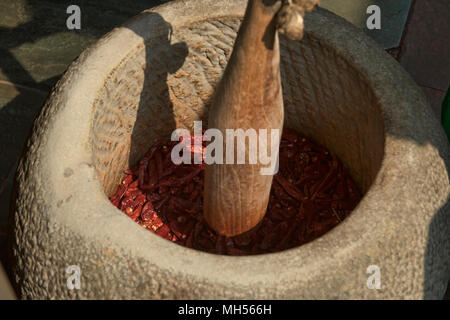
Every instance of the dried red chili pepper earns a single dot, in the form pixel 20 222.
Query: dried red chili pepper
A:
pixel 311 194
pixel 292 190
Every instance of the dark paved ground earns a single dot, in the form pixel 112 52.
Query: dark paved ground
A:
pixel 394 15
pixel 36 47
pixel 425 51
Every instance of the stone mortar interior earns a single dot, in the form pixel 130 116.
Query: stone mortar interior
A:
pixel 168 83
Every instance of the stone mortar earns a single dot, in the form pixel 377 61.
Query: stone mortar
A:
pixel 137 84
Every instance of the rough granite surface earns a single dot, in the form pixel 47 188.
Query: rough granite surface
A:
pixel 61 215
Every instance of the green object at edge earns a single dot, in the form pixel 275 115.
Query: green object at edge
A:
pixel 445 114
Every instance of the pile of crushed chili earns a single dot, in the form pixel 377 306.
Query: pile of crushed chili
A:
pixel 310 195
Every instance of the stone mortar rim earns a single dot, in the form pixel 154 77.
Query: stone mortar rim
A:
pixel 245 270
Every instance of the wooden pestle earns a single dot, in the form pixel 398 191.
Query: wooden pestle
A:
pixel 249 96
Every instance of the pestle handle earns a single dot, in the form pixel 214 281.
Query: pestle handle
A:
pixel 249 96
